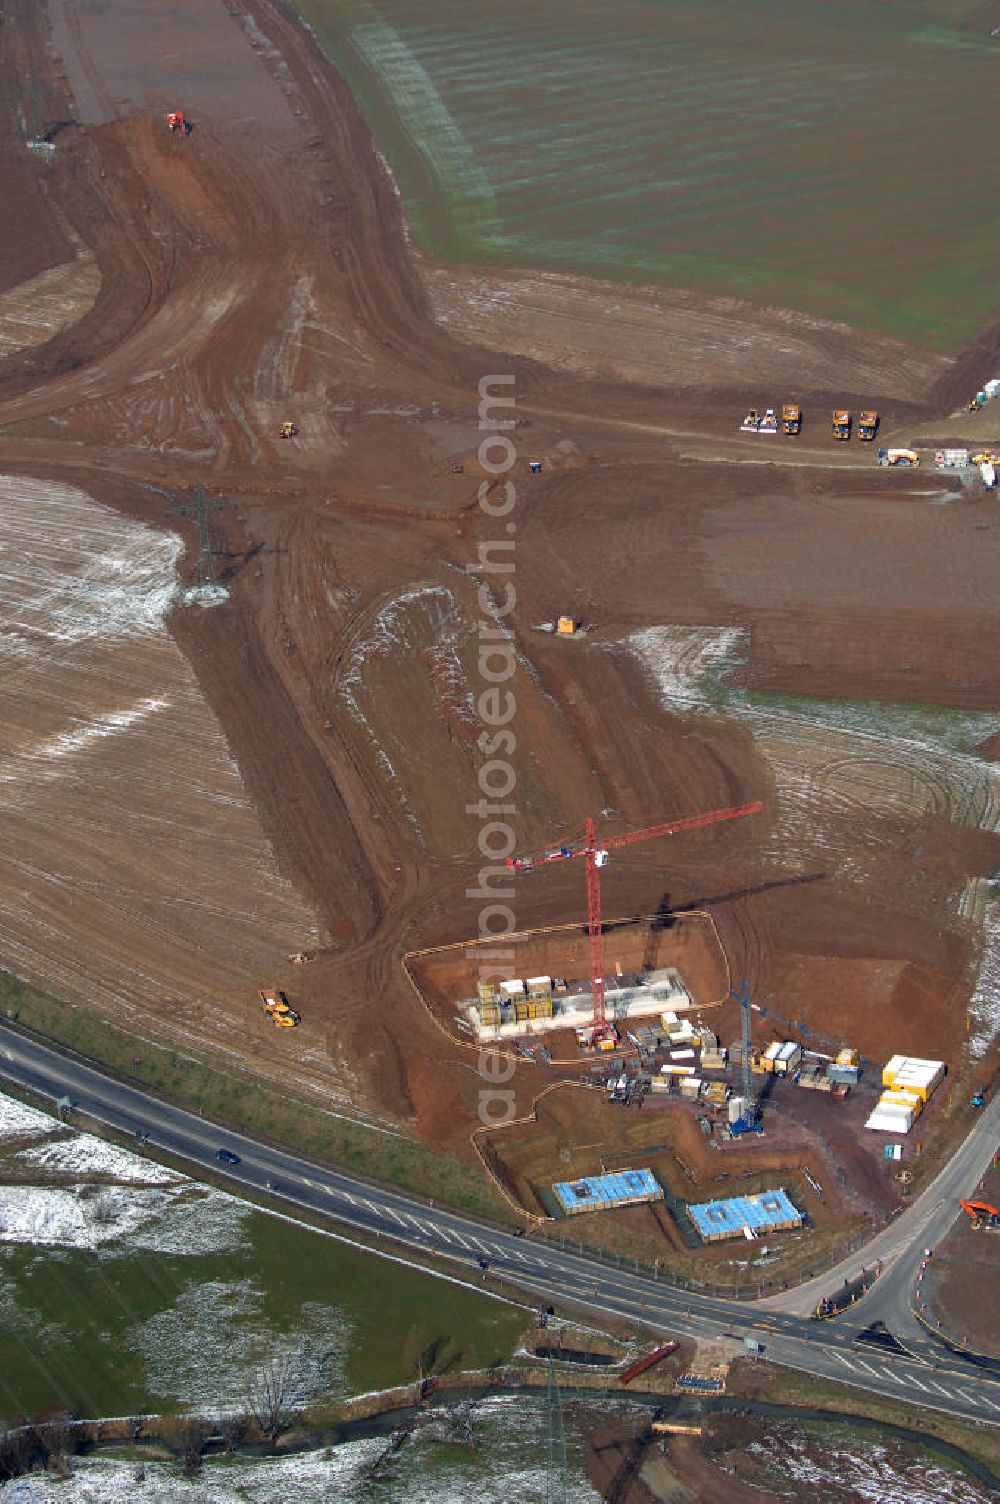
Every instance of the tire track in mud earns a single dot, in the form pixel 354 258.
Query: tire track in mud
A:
pixel 93 73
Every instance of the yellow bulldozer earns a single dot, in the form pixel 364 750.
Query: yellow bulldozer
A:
pixel 277 1009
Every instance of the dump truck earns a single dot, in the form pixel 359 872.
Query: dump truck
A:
pixel 867 426
pixel 791 418
pixel 904 457
pixel 841 424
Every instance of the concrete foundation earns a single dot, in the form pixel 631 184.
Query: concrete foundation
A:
pixel 659 991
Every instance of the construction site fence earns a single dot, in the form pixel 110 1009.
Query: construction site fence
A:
pixel 773 1285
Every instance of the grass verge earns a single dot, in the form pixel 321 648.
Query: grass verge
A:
pixel 785 1386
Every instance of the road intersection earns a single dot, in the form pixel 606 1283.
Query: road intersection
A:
pixel 921 1370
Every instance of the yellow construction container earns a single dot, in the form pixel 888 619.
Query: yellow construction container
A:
pixel 489 1013
pixel 847 1057
pixel 531 1007
pixel 606 1045
pixel 566 626
pixel 890 1068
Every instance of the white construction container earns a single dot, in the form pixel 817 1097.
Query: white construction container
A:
pixel 682 1054
pixel 890 1120
pixel 676 1070
pixel 908 1100
pixel 690 1086
pixel 788 1058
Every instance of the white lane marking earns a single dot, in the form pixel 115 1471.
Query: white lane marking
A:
pixel 946 1392
pixel 844 1361
pixel 429 1230
pixel 868 1368
pixel 986 1401
pixel 344 1196
pixel 908 1378
pixel 395 1216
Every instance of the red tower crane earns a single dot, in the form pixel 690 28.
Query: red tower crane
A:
pixel 595 857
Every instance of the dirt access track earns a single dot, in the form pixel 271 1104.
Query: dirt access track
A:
pixel 257 270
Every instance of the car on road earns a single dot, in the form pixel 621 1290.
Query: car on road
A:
pixel 227 1157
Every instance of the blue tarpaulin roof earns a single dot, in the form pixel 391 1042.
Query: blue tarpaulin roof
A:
pixel 760 1213
pixel 597 1191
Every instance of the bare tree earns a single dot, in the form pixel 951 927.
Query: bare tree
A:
pixel 57 1436
pixel 187 1435
pixel 269 1395
pixel 233 1429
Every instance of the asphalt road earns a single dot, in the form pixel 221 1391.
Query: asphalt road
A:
pixel 932 1376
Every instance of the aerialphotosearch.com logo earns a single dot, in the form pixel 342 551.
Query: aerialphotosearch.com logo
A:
pixel 496 706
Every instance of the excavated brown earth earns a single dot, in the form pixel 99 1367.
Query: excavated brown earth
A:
pixel 257 270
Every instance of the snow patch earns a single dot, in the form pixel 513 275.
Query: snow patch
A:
pixel 687 661
pixel 872 1475
pixel 59 582
pixel 82 1217
pixel 86 1156
pixel 18 1121
pixel 198 1222
pixel 205 1350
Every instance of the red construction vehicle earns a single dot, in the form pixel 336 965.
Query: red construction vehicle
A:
pixel 601 1034
pixel 176 122
pixel 982 1214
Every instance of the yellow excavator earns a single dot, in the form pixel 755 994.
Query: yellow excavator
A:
pixel 277 1009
